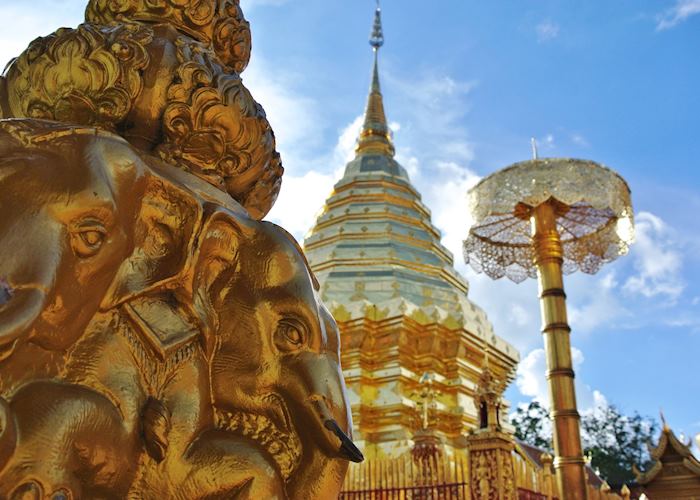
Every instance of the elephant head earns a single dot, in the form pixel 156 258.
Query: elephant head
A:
pixel 92 234
pixel 274 363
pixel 69 197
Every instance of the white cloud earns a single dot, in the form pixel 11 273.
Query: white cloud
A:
pixel 532 383
pixel 594 305
pixel 512 308
pixel 680 12
pixel 297 212
pixel 448 202
pixel 657 260
pixel 435 149
pixel 519 315
pixel 531 379
pixel 411 164
pixel 296 118
pixel 432 107
pixel 293 115
pixel 546 31
pixel 300 201
pixel 345 148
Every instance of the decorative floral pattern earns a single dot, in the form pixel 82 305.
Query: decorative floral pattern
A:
pixel 218 23
pixel 89 75
pixel 594 218
pixel 214 127
pixel 175 92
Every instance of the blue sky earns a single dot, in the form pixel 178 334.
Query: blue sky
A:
pixel 466 84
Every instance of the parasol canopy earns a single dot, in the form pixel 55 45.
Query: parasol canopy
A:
pixel 592 205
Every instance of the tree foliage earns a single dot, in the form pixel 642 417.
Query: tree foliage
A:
pixel 613 441
pixel 532 425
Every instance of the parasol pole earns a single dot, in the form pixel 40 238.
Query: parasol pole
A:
pixel 569 463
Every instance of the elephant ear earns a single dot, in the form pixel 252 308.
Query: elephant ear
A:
pixel 150 285
pixel 216 264
pixel 163 244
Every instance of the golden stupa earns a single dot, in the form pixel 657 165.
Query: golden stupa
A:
pixel 424 369
pixel 401 306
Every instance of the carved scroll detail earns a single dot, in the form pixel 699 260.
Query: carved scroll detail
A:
pixel 90 75
pixel 219 23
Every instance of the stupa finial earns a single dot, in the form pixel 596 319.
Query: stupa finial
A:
pixel 376 40
pixel 375 136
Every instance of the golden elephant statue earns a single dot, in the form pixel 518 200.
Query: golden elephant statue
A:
pixel 191 357
pixel 70 197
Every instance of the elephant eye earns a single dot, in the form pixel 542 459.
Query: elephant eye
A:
pixel 290 335
pixel 87 241
pixel 92 238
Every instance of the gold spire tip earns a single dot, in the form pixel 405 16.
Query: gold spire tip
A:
pixel 376 39
pixel 375 136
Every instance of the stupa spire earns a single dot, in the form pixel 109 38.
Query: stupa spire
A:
pixel 375 136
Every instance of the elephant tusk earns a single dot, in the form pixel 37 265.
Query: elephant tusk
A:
pixel 348 450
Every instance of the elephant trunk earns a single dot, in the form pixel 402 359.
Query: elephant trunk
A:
pixel 347 449
pixel 322 420
pixel 325 408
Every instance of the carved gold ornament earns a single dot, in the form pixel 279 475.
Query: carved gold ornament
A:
pixel 164 75
pixel 168 345
pixel 217 23
pixel 157 340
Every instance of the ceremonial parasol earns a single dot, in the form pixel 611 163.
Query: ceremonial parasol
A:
pixel 543 218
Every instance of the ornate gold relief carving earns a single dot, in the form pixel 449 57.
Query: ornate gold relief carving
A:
pixel 90 75
pixel 219 23
pixel 237 155
pixel 178 348
pixel 172 87
pixel 156 339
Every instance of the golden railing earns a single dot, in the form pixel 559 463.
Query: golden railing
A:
pixel 533 479
pixel 539 483
pixel 447 478
pixel 401 478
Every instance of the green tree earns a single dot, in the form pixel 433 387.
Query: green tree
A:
pixel 615 442
pixel 532 425
pixel 612 440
